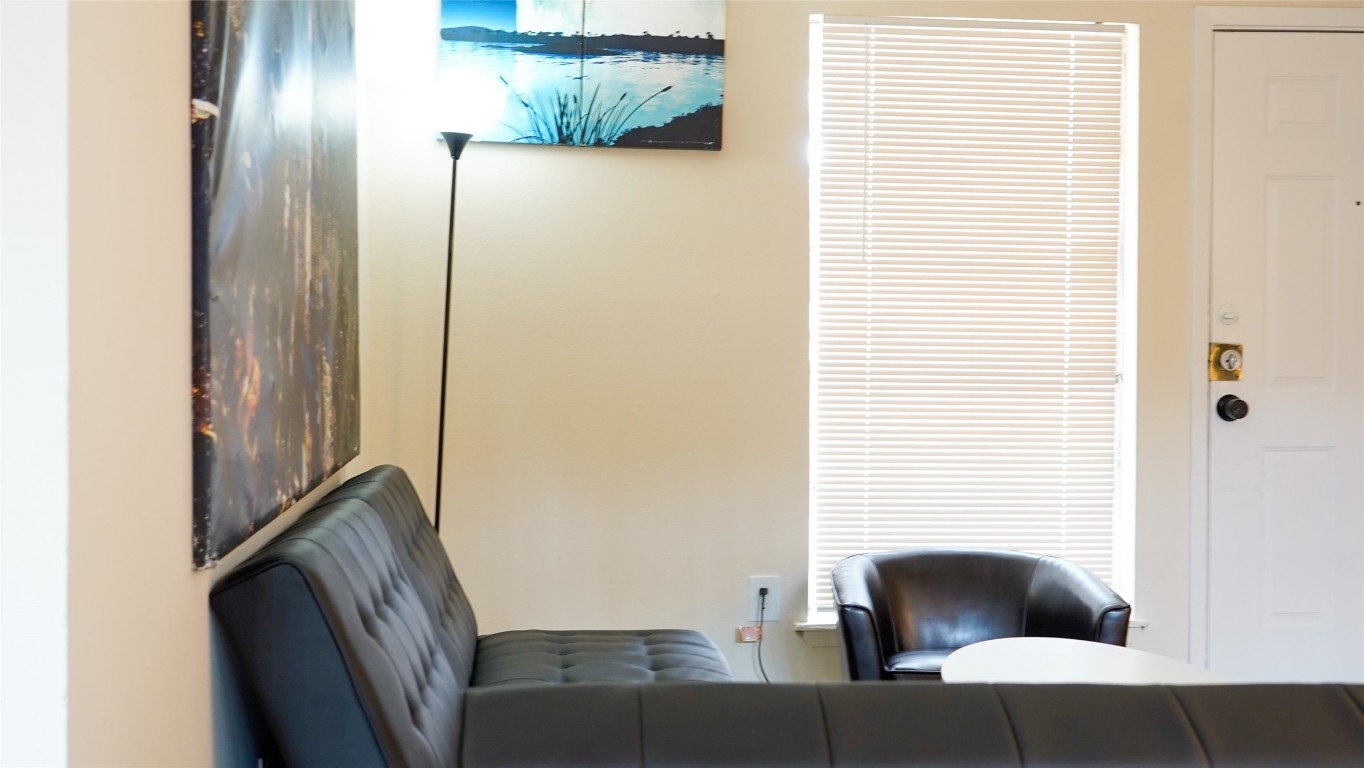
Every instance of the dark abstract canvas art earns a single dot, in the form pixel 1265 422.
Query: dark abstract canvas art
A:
pixel 275 326
pixel 603 73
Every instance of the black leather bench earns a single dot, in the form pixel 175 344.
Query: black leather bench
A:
pixel 356 646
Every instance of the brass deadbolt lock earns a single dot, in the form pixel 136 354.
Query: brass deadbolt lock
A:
pixel 1224 361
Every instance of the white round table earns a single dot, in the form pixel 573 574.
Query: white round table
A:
pixel 1057 660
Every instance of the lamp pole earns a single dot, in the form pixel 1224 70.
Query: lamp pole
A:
pixel 456 142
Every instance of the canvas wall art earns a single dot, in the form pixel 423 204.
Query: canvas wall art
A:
pixel 607 73
pixel 275 329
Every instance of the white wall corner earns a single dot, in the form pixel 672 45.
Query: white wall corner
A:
pixel 34 468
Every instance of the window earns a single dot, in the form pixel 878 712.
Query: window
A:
pixel 971 291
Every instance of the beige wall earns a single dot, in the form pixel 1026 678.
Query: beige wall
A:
pixel 138 635
pixel 629 380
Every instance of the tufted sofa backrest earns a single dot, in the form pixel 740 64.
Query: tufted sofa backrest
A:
pixel 353 631
pixel 420 551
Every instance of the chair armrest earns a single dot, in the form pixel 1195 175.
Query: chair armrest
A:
pixel 1065 600
pixel 863 626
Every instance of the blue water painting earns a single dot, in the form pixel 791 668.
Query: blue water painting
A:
pixel 607 73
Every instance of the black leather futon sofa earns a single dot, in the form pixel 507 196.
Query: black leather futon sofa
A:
pixel 356 647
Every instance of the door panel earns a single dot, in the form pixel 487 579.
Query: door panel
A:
pixel 1297 531
pixel 1302 272
pixel 1286 484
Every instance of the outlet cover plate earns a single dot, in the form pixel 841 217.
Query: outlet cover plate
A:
pixel 773 612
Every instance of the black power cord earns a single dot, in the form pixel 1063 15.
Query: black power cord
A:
pixel 762 608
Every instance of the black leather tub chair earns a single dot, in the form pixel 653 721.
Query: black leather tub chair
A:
pixel 901 613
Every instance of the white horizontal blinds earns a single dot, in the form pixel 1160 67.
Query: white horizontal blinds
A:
pixel 966 283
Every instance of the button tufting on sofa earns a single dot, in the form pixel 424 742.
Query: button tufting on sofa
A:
pixel 652 655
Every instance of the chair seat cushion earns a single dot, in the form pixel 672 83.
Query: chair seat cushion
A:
pixel 535 657
pixel 927 661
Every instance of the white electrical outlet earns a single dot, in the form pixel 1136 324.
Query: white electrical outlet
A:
pixel 771 612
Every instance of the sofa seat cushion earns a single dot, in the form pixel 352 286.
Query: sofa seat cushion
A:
pixel 925 662
pixel 535 657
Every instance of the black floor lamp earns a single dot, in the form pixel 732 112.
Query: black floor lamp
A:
pixel 456 142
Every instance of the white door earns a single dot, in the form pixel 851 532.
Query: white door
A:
pixel 1286 483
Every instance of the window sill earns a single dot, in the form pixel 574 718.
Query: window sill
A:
pixel 818 621
pixel 819 630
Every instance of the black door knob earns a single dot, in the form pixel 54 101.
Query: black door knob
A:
pixel 1232 408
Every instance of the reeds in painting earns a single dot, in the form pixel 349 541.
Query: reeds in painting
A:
pixel 567 119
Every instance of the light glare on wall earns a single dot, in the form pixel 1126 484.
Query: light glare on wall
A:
pixel 468 102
